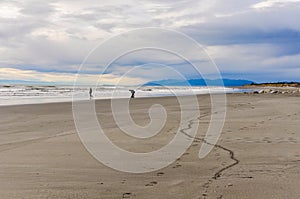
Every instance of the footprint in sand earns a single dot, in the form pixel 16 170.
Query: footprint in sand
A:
pixel 126 195
pixel 243 128
pixel 250 177
pixel 292 140
pixel 177 165
pixel 266 139
pixel 151 184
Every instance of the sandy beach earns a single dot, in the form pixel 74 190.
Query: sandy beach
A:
pixel 257 155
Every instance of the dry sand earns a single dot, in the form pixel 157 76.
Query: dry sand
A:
pixel 257 155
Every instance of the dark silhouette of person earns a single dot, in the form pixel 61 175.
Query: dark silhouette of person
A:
pixel 91 93
pixel 132 93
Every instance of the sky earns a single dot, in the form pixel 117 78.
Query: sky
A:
pixel 48 41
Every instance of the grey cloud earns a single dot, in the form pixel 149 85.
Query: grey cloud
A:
pixel 84 17
pixel 249 27
pixel 62 39
pixel 37 8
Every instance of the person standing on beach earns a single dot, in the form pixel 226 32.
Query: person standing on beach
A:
pixel 91 93
pixel 132 93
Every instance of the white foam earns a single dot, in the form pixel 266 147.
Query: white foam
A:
pixel 22 94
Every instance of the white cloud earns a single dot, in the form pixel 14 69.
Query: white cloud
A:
pixel 274 3
pixel 9 11
pixel 65 78
pixel 56 35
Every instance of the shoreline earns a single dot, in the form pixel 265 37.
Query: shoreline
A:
pixel 258 151
pixel 43 95
pixel 256 90
pixel 99 99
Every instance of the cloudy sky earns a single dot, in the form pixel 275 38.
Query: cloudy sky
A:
pixel 48 40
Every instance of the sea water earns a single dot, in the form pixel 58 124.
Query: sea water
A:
pixel 34 94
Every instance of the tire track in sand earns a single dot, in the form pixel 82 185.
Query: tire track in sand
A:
pixel 218 174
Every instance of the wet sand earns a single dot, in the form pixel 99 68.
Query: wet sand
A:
pixel 257 155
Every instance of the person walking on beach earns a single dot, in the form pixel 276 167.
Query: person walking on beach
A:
pixel 91 93
pixel 132 93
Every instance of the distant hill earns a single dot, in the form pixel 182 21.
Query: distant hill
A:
pixel 276 84
pixel 167 82
pixel 200 82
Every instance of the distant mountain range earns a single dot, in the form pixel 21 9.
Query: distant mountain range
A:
pixel 200 82
pixel 167 82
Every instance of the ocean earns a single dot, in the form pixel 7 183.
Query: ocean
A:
pixel 34 94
